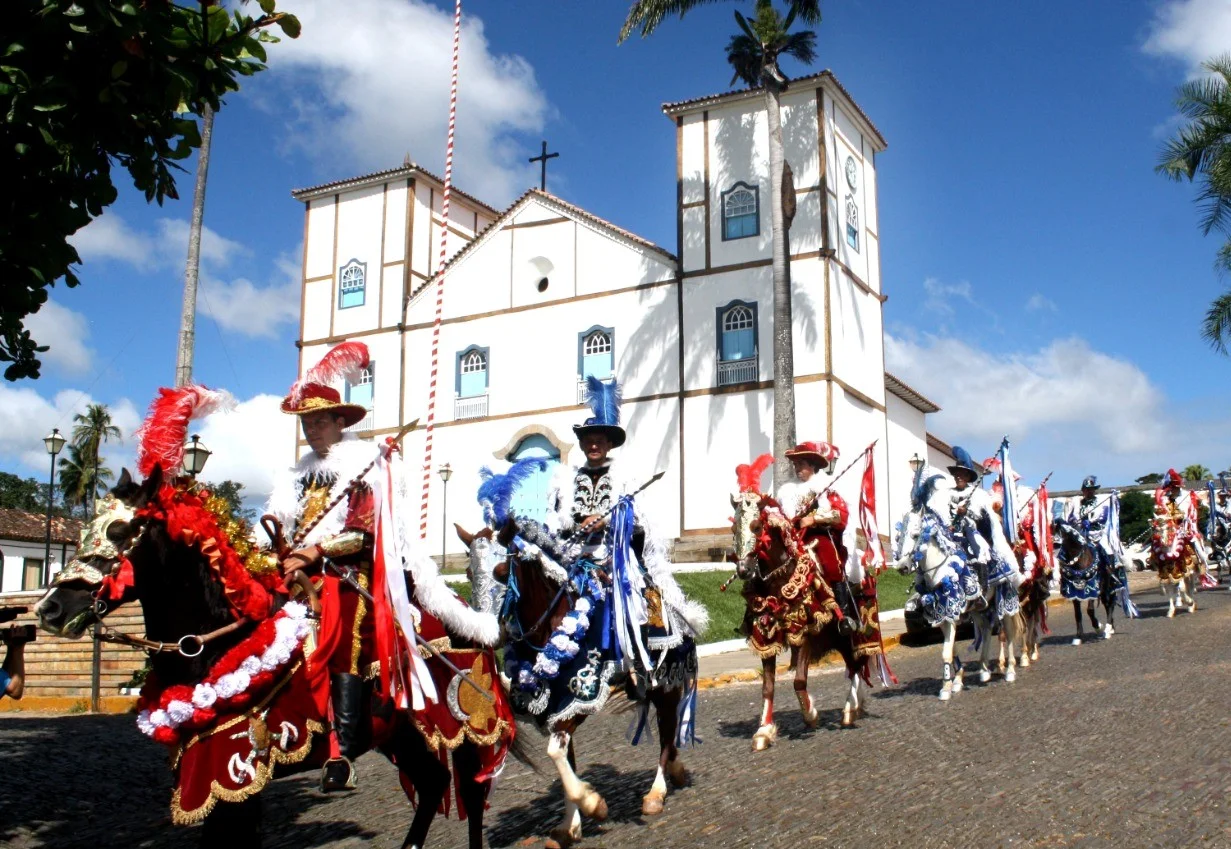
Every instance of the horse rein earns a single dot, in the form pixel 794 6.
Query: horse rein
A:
pixel 183 645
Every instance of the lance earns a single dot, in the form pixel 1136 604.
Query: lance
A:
pixel 388 448
pixel 1035 495
pixel 817 497
pixel 347 575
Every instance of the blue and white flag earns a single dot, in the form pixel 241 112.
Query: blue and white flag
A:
pixel 1210 523
pixel 1008 486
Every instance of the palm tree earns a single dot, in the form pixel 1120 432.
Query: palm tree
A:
pixel 1196 473
pixel 753 54
pixel 1202 148
pixel 90 430
pixel 192 272
pixel 74 473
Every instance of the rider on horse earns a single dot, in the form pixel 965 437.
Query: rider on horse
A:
pixel 1174 546
pixel 1096 521
pixel 821 519
pixel 1218 526
pixel 329 510
pixel 978 528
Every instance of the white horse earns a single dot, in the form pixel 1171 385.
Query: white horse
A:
pixel 943 583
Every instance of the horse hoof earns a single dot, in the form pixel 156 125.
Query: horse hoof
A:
pixel 1171 613
pixel 764 738
pixel 676 773
pixel 958 685
pixel 1034 655
pixel 652 804
pixel 1024 663
pixel 561 838
pixel 945 695
pixel 812 719
pixel 848 718
pixel 594 806
pixel 1077 641
pixel 985 675
pixel 1192 608
pixel 1011 675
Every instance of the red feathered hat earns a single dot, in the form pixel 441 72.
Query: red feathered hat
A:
pixel 313 394
pixel 1172 479
pixel 819 452
pixel 160 439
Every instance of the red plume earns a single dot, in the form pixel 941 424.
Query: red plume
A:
pixel 749 477
pixel 346 360
pixel 160 439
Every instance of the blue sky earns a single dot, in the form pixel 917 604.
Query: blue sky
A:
pixel 1042 280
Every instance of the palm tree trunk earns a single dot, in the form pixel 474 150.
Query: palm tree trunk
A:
pixel 784 355
pixel 188 318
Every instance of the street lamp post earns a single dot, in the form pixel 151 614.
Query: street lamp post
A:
pixel 54 442
pixel 916 463
pixel 446 472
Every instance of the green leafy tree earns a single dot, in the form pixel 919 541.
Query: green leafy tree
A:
pixel 1152 477
pixel 20 493
pixel 1201 151
pixel 753 54
pixel 90 430
pixel 86 85
pixel 74 468
pixel 1136 510
pixel 233 493
pixel 1196 473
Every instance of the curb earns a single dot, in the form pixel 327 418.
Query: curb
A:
pixel 891 642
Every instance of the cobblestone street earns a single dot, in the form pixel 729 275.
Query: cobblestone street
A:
pixel 1118 743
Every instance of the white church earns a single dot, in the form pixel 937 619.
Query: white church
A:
pixel 542 294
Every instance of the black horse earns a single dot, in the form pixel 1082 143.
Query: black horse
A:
pixel 181 597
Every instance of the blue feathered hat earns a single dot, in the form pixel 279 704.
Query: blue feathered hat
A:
pixel 962 461
pixel 603 399
pixel 1091 482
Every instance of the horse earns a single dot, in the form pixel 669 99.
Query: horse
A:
pixel 131 552
pixel 1033 595
pixel 542 605
pixel 1175 559
pixel 1078 570
pixel 790 605
pixel 944 584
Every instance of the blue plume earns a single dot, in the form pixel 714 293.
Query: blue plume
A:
pixel 497 492
pixel 604 400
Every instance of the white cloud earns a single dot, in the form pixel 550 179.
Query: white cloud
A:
pixel 26 417
pixel 940 296
pixel 64 331
pixel 242 307
pixel 1091 396
pixel 377 79
pixel 1041 303
pixel 111 238
pixel 1191 31
pixel 251 444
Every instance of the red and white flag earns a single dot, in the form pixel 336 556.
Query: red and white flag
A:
pixel 873 558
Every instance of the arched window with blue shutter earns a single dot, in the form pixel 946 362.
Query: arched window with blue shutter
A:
pixel 852 222
pixel 741 208
pixel 472 372
pixel 737 343
pixel 596 353
pixel 352 284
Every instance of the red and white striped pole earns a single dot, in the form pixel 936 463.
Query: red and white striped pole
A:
pixel 440 278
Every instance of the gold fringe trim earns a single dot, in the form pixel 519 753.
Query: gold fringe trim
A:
pixel 436 739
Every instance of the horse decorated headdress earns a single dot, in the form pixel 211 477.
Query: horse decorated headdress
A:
pixel 604 399
pixel 161 437
pixel 313 392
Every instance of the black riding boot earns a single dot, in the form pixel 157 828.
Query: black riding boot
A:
pixel 850 621
pixel 346 696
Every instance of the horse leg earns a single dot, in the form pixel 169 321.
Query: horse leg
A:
pixel 806 708
pixel 472 794
pixel 1109 610
pixel 1170 594
pixel 666 708
pixel 985 647
pixel 233 825
pixel 1191 581
pixel 1008 633
pixel 950 681
pixel 1036 631
pixel 579 797
pixel 1027 638
pixel 1077 616
pixel 851 710
pixel 1090 613
pixel 765 734
pixel 430 778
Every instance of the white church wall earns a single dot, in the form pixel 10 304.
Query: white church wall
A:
pixel 720 432
pixel 604 263
pixel 857 336
pixel 422 248
pixel 358 239
pixel 906 436
pixel 543 252
pixel 807 316
pixel 738 152
pixel 395 221
pixel 317 308
pixel 874 262
pixel 856 425
pixel 693 222
pixel 800 136
pixel 318 256
pixel 806 228
pixel 702 298
pixel 871 210
pixel 811 412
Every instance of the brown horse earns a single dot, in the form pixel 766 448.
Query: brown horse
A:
pixel 789 603
pixel 182 596
pixel 544 597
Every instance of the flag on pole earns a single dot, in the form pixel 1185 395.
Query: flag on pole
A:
pixel 874 555
pixel 1008 510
